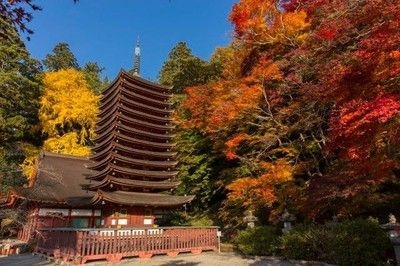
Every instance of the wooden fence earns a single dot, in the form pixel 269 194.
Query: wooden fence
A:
pixel 81 245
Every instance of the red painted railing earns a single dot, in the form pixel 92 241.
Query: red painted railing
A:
pixel 81 245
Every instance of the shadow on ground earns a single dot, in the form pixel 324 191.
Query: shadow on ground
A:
pixel 24 260
pixel 204 259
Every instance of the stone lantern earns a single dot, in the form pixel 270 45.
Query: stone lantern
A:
pixel 287 219
pixel 250 219
pixel 394 228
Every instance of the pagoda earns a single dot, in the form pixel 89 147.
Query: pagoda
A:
pixel 133 157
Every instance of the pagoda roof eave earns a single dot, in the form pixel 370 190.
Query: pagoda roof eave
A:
pixel 117 147
pixel 145 81
pixel 133 172
pixel 124 74
pixel 141 199
pixel 134 86
pixel 115 137
pixel 129 94
pixel 106 133
pixel 148 143
pixel 125 118
pixel 160 185
pixel 120 109
pixel 152 108
pixel 118 157
pixel 121 99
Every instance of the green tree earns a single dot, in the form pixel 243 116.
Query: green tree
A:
pixel 19 93
pixel 60 58
pixel 196 167
pixel 183 69
pixel 92 72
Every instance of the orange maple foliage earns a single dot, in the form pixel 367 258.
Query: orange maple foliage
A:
pixel 261 190
pixel 233 101
pixel 216 105
pixel 264 70
pixel 233 143
pixel 198 103
pixel 262 21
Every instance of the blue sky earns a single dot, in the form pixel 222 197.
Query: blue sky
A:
pixel 105 31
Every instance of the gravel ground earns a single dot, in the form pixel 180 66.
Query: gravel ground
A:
pixel 204 259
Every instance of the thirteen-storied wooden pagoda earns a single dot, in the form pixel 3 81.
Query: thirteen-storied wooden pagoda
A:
pixel 133 159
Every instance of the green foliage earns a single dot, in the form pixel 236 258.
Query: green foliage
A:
pixel 182 69
pixel 179 218
pixel 11 155
pixel 173 218
pixel 355 242
pixel 60 58
pixel 92 72
pixel 201 220
pixel 19 94
pixel 19 90
pixel 195 167
pixel 257 241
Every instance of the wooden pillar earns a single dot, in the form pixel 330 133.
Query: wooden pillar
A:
pixel 69 218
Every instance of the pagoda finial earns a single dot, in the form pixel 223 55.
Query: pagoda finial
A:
pixel 136 62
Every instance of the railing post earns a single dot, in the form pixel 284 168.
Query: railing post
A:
pixel 78 246
pixel 115 241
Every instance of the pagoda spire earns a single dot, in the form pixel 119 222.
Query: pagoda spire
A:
pixel 136 61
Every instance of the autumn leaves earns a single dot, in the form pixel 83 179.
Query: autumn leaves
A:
pixel 308 104
pixel 67 112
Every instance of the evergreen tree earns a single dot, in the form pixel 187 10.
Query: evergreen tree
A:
pixel 92 73
pixel 183 69
pixel 19 94
pixel 60 58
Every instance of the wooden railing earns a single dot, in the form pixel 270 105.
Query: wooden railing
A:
pixel 81 245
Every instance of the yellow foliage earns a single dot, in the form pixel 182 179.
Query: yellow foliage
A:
pixel 278 171
pixel 68 105
pixel 29 164
pixel 67 144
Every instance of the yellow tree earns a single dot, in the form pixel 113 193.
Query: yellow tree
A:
pixel 67 112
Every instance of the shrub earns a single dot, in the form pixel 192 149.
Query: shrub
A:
pixel 257 241
pixel 201 220
pixel 356 242
pixel 174 218
pixel 308 242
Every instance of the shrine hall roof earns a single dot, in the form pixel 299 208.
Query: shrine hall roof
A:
pixel 58 178
pixel 62 180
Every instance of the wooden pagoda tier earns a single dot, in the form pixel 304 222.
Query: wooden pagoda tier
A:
pixel 133 158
